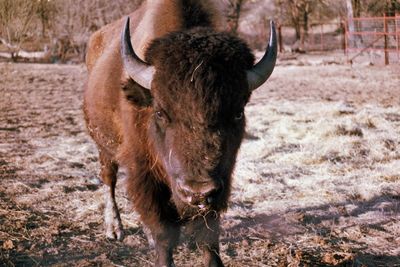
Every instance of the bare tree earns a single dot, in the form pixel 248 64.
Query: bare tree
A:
pixel 290 12
pixel 298 13
pixel 77 20
pixel 45 12
pixel 373 7
pixel 387 7
pixel 350 20
pixel 302 15
pixel 16 17
pixel 233 13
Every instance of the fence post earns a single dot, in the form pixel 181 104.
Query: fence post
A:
pixel 280 38
pixel 397 34
pixel 343 30
pixel 322 37
pixel 346 41
pixel 386 35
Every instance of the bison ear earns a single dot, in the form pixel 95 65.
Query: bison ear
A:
pixel 136 94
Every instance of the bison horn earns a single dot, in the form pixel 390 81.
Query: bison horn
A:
pixel 139 71
pixel 263 69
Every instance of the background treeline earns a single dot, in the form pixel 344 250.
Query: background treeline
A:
pixel 61 28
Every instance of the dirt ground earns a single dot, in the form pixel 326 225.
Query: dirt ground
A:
pixel 317 181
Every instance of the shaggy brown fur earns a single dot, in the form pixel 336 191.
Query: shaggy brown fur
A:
pixel 179 141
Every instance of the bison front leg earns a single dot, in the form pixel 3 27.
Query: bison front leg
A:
pixel 206 232
pixel 165 240
pixel 112 219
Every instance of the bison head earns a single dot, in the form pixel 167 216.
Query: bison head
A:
pixel 200 82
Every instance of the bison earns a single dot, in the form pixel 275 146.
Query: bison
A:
pixel 165 100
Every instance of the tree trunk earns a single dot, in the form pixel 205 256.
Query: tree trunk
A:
pixel 280 38
pixel 357 8
pixel 234 15
pixel 43 29
pixel 357 14
pixel 350 23
pixel 305 26
pixel 386 40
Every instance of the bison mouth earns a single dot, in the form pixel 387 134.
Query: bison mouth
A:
pixel 198 201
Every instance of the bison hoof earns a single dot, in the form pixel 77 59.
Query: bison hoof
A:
pixel 112 222
pixel 149 237
pixel 115 231
pixel 112 219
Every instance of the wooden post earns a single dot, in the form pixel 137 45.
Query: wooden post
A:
pixel 322 37
pixel 280 40
pixel 342 26
pixel 311 40
pixel 346 42
pixel 397 34
pixel 386 39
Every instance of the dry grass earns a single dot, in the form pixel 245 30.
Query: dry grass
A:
pixel 317 181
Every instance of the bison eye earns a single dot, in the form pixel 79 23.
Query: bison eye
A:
pixel 239 116
pixel 159 115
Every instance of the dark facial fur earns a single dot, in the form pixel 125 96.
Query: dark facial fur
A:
pixel 198 101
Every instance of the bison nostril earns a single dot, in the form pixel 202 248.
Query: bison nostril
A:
pixel 199 193
pixel 209 188
pixel 186 190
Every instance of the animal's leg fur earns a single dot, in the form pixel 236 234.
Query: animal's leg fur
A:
pixel 165 238
pixel 206 232
pixel 112 219
pixel 149 236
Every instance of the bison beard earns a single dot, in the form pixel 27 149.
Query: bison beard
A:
pixel 178 140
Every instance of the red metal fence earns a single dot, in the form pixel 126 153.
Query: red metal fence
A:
pixel 373 34
pixel 377 38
